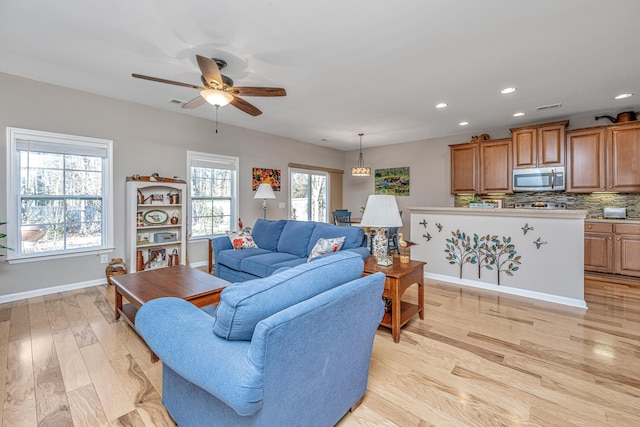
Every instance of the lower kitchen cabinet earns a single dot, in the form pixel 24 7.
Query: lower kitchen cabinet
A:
pixel 612 248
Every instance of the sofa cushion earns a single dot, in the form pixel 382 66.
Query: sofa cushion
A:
pixel 266 233
pixel 295 238
pixel 287 264
pixel 241 239
pixel 326 246
pixel 260 265
pixel 233 259
pixel 243 305
pixel 353 235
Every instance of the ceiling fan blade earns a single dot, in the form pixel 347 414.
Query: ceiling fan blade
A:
pixel 171 82
pixel 209 70
pixel 245 106
pixel 258 91
pixel 195 102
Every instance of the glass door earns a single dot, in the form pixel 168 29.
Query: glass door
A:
pixel 309 193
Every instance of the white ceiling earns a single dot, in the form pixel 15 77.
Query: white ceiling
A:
pixel 349 66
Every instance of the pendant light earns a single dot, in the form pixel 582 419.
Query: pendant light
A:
pixel 361 170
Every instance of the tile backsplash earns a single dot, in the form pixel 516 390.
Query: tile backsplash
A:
pixel 594 202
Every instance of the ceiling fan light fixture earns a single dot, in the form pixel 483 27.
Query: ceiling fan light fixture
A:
pixel 361 169
pixel 216 97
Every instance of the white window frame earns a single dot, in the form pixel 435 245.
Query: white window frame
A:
pixel 293 170
pixel 232 163
pixel 81 143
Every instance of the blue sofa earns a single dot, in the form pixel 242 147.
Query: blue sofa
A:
pixel 282 243
pixel 291 349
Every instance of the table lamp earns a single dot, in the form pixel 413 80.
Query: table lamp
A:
pixel 381 213
pixel 264 192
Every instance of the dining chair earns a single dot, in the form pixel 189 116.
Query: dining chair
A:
pixel 341 217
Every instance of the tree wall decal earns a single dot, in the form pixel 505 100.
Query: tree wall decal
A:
pixel 458 248
pixel 486 252
pixel 502 254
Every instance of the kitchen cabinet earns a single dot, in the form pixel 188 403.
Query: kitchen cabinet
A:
pixel 627 249
pixel 464 168
pixel 598 247
pixel 155 224
pixel 586 160
pixel 481 167
pixel 612 248
pixel 623 154
pixel 539 146
pixel 604 159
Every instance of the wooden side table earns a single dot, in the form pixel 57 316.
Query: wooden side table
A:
pixel 399 277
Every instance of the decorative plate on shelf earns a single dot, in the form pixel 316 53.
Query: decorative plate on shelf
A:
pixel 155 217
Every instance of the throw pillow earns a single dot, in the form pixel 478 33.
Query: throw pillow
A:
pixel 326 246
pixel 241 239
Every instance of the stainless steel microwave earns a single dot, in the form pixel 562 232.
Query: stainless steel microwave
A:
pixel 539 179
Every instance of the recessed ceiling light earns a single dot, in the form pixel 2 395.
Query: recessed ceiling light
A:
pixel 508 90
pixel 441 105
pixel 463 123
pixel 518 114
pixel 623 96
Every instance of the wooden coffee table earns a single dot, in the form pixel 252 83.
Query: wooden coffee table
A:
pixel 180 281
pixel 399 277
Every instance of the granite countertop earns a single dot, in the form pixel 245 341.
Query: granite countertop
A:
pixel 611 220
pixel 505 212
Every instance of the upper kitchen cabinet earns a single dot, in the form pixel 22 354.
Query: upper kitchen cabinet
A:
pixel 586 160
pixel 464 168
pixel 495 166
pixel 481 167
pixel 604 159
pixel 623 153
pixel 539 145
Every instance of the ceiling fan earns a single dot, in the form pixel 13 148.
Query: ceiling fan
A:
pixel 218 89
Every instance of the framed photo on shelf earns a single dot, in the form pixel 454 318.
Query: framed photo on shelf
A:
pixel 143 238
pixel 158 257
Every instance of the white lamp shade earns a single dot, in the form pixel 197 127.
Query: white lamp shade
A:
pixel 265 192
pixel 381 211
pixel 216 97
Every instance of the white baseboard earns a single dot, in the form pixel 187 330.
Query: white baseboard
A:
pixel 70 287
pixel 508 290
pixel 52 290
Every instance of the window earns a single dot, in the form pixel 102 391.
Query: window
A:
pixel 59 194
pixel 214 193
pixel 309 189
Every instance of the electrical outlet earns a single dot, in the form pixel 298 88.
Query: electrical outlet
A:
pixel 104 258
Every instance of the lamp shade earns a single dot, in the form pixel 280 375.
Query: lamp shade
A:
pixel 361 171
pixel 381 211
pixel 216 97
pixel 265 192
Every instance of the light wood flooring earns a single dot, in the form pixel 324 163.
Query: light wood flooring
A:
pixel 477 359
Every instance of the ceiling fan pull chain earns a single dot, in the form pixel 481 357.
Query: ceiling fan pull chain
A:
pixel 217 108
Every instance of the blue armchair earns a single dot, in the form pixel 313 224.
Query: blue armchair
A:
pixel 291 349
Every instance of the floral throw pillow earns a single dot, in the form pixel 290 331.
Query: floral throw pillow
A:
pixel 241 239
pixel 326 246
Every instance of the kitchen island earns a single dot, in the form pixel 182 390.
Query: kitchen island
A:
pixel 528 252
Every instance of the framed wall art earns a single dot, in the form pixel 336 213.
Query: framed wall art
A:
pixel 392 181
pixel 265 175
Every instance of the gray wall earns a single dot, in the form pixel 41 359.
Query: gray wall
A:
pixel 430 173
pixel 146 140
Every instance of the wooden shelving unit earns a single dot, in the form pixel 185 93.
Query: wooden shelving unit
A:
pixel 149 227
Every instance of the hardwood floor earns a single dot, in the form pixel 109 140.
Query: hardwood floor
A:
pixel 477 359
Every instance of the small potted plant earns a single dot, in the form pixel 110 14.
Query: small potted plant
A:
pixel 3 236
pixel 476 201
